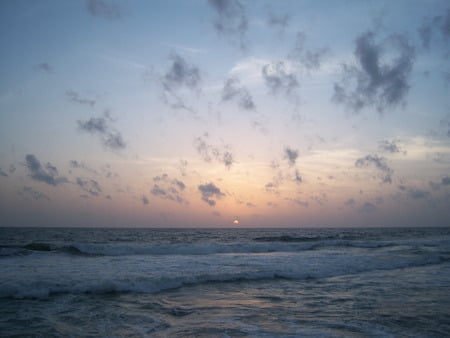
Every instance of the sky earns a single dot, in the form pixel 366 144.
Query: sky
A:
pixel 196 113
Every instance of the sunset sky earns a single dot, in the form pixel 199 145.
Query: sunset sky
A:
pixel 194 113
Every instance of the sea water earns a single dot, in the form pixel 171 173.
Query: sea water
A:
pixel 224 282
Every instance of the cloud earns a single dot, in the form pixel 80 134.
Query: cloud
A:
pixel 278 21
pixel 73 96
pixel 100 126
pixel 80 165
pixel 233 90
pixel 441 23
pixel 278 78
pixel 390 147
pixel 311 59
pixel 375 80
pixel 210 191
pixel 298 178
pixel 180 74
pixel 415 193
pixel 89 185
pixel 445 181
pixel 144 200
pixel 2 173
pixel 170 189
pixel 350 202
pixel 44 67
pixel 231 21
pixel 209 152
pixel 291 155
pixel 379 163
pixel 30 192
pixel 103 9
pixel 47 174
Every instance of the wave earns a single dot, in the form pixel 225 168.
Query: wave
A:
pixel 259 245
pixel 150 277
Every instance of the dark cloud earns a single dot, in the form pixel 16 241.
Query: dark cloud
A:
pixel 47 174
pixel 89 185
pixel 390 147
pixel 170 189
pixel 103 9
pixel 279 79
pixel 374 80
pixel 74 96
pixel 30 192
pixel 379 163
pixel 100 126
pixel 209 152
pixel 231 21
pixel 311 59
pixel 44 67
pixel 291 155
pixel 209 191
pixel 144 200
pixel 233 90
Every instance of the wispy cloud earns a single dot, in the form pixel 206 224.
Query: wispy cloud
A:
pixel 111 138
pixel 170 189
pixel 47 173
pixel 379 163
pixel 104 9
pixel 180 75
pixel 231 21
pixel 310 59
pixel 36 195
pixel 209 152
pixel 391 147
pixel 74 96
pixel 279 78
pixel 44 67
pixel 89 185
pixel 234 91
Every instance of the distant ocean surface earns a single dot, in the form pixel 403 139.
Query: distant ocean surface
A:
pixel 224 282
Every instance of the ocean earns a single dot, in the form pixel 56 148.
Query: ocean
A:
pixel 353 282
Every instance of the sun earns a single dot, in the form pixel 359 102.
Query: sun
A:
pixel 236 221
